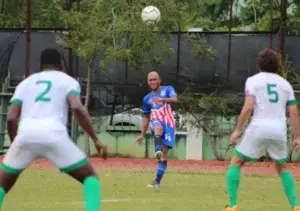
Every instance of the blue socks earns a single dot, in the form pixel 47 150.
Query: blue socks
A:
pixel 158 143
pixel 158 148
pixel 160 170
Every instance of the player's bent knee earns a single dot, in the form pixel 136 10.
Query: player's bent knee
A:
pixel 237 161
pixel 8 178
pixel 244 157
pixel 280 167
pixel 158 130
pixel 281 162
pixel 165 151
pixel 75 166
pixel 10 170
pixel 83 172
pixel 166 148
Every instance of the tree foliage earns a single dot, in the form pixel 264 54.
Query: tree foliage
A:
pixel 206 14
pixel 114 28
pixel 215 114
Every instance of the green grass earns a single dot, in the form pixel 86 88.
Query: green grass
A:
pixel 49 190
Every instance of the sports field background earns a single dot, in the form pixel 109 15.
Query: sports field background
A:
pixel 187 185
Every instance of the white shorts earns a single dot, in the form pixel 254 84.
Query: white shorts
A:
pixel 259 139
pixel 32 143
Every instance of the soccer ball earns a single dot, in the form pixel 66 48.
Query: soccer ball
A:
pixel 151 15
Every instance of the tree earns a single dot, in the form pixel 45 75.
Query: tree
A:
pixel 12 13
pixel 257 13
pixel 44 13
pixel 210 112
pixel 207 14
pixel 88 37
pixel 291 74
pixel 114 29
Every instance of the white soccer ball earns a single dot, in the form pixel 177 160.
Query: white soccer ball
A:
pixel 151 15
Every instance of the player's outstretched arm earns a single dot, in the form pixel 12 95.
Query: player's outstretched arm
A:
pixel 13 115
pixel 172 100
pixel 84 120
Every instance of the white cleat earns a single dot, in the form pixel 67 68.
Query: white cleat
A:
pixel 154 184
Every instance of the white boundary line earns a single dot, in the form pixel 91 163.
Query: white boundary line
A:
pixel 74 202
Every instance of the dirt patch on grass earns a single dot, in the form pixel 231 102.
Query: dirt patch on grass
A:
pixel 193 166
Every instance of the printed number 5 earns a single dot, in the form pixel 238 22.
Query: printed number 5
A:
pixel 42 97
pixel 272 92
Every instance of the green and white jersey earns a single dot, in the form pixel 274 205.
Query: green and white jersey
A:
pixel 272 95
pixel 43 96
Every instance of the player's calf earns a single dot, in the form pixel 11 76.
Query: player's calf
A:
pixel 288 184
pixel 233 182
pixel 160 168
pixel 7 180
pixel 160 171
pixel 92 187
pixel 158 147
pixel 158 132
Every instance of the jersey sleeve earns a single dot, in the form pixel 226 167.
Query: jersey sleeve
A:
pixel 146 108
pixel 171 92
pixel 291 96
pixel 17 98
pixel 74 88
pixel 250 88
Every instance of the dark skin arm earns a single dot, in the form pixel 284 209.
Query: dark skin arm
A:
pixel 145 125
pixel 246 112
pixel 243 118
pixel 295 122
pixel 84 120
pixel 172 100
pixel 13 115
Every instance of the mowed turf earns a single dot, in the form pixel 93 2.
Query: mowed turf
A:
pixel 47 189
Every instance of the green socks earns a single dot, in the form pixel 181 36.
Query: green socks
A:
pixel 2 194
pixel 92 194
pixel 233 182
pixel 289 187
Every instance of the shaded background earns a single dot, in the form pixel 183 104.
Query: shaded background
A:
pixel 120 86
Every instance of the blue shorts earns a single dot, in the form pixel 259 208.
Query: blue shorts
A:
pixel 168 132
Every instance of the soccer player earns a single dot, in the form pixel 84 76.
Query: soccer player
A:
pixel 40 102
pixel 267 95
pixel 157 110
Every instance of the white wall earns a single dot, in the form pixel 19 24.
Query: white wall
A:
pixel 193 142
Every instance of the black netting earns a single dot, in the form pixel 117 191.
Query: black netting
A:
pixel 119 87
pixel 6 49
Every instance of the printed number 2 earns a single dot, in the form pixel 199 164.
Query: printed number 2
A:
pixel 272 92
pixel 42 97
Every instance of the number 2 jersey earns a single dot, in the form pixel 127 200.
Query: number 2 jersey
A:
pixel 272 95
pixel 160 112
pixel 43 97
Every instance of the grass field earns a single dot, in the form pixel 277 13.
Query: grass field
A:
pixel 187 186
